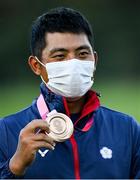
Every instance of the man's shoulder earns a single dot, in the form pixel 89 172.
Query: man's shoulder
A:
pixel 118 124
pixel 20 118
pixel 116 116
pixel 113 112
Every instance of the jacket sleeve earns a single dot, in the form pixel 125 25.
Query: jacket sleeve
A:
pixel 135 167
pixel 5 172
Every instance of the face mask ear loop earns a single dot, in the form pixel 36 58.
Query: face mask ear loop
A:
pixel 94 69
pixel 40 61
pixel 42 65
pixel 43 80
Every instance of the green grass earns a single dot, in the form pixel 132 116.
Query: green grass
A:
pixel 121 96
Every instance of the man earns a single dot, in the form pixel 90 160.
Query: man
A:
pixel 104 143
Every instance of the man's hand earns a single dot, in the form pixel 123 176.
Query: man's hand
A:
pixel 28 144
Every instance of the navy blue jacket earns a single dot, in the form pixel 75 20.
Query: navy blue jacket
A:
pixel 108 148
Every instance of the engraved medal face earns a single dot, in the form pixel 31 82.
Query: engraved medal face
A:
pixel 58 125
pixel 61 126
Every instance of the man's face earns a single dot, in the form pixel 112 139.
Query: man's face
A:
pixel 65 46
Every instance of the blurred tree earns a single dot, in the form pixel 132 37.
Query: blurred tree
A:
pixel 116 27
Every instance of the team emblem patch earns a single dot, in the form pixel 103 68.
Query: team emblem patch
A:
pixel 106 153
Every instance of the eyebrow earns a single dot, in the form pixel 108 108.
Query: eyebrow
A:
pixel 66 50
pixel 83 47
pixel 57 49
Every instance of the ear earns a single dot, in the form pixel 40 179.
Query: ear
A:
pixel 96 58
pixel 34 65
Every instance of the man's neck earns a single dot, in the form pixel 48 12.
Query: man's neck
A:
pixel 75 105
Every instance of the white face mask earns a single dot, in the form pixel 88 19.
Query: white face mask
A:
pixel 71 78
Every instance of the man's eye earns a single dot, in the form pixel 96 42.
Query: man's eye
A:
pixel 84 54
pixel 59 56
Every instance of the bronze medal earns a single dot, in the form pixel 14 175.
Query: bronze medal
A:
pixel 61 126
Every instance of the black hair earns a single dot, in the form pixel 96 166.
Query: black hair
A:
pixel 60 19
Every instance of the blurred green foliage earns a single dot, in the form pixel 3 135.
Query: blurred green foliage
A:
pixel 119 96
pixel 116 27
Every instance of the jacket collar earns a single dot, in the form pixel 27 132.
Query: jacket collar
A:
pixel 59 103
pixel 91 105
pixel 52 100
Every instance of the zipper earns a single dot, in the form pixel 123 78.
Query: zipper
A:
pixel 74 147
pixel 76 157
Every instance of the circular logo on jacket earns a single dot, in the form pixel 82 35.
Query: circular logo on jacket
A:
pixel 106 153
